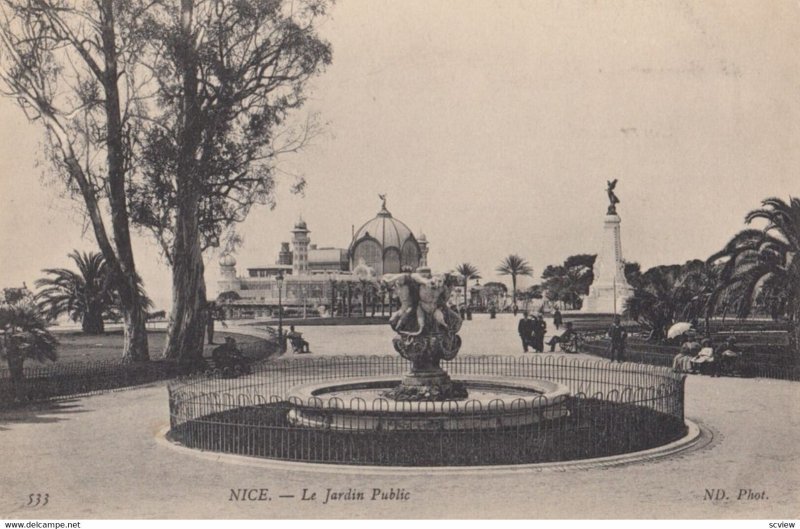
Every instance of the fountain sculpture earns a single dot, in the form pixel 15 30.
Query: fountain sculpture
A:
pixel 426 398
pixel 427 330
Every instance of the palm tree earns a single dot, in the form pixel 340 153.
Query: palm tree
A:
pixel 84 295
pixel 755 258
pixel 467 271
pixel 657 302
pixel 700 281
pixel 87 295
pixel 514 266
pixel 24 334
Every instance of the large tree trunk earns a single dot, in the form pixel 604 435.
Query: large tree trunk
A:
pixel 135 346
pixel 187 321
pixel 514 289
pixel 15 366
pixel 92 322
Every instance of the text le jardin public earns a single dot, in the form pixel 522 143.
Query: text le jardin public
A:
pixel 328 496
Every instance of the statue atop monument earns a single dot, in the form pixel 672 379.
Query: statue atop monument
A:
pixel 612 197
pixel 383 201
pixel 610 288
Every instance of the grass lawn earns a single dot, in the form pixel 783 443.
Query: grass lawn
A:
pixel 74 346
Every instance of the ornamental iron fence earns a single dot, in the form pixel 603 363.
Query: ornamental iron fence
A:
pixel 612 409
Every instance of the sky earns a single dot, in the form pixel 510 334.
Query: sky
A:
pixel 493 126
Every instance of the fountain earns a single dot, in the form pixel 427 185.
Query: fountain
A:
pixel 426 398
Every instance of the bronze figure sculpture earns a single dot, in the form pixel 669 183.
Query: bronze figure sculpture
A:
pixel 612 197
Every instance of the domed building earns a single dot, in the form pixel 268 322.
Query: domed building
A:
pixel 385 244
pixel 307 278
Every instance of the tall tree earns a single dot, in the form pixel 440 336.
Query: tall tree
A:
pixel 467 271
pixel 514 266
pixel 633 272
pixel 700 280
pixel 754 259
pixel 70 66
pixel 568 282
pixel 228 76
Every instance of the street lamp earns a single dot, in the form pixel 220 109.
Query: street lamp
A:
pixel 279 281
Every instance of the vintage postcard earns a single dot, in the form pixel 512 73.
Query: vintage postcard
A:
pixel 382 259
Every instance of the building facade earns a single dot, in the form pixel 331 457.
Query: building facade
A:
pixel 307 280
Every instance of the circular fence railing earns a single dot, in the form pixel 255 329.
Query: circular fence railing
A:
pixel 612 409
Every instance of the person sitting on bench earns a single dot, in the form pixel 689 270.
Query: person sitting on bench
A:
pixel 729 358
pixel 296 339
pixel 567 337
pixel 228 355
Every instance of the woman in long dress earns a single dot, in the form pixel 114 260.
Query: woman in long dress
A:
pixel 705 362
pixel 682 363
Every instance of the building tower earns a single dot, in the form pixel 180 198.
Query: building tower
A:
pixel 285 255
pixel 227 271
pixel 300 240
pixel 423 250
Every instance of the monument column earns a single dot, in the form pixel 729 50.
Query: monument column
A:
pixel 610 289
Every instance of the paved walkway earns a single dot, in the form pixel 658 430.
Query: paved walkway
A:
pixel 100 457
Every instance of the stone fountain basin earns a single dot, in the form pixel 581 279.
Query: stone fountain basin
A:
pixel 493 402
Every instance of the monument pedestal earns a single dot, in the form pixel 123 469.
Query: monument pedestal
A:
pixel 610 288
pixel 606 299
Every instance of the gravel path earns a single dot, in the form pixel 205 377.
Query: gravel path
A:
pixel 100 457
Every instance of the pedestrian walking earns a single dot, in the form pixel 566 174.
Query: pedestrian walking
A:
pixel 617 334
pixel 557 319
pixel 525 329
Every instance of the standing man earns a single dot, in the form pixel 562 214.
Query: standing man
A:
pixel 557 319
pixel 618 335
pixel 524 328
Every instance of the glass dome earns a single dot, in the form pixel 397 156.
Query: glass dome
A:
pixel 385 244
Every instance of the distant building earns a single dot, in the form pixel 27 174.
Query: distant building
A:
pixel 385 244
pixel 315 279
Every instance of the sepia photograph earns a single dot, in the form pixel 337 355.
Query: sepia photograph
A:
pixel 444 260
